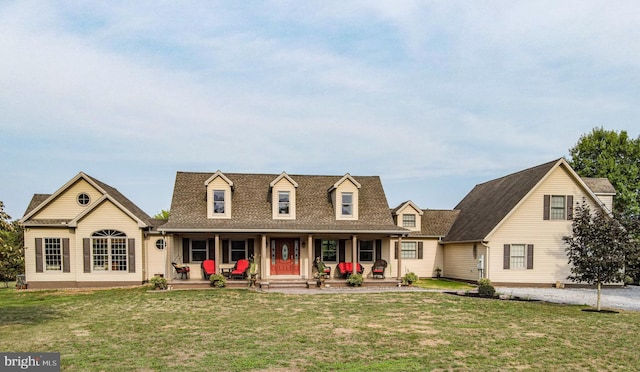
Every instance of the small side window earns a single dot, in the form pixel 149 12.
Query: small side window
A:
pixel 83 199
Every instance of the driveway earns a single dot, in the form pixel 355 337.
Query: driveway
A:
pixel 626 298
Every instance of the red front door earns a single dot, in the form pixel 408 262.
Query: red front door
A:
pixel 285 257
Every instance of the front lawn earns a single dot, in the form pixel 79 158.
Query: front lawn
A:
pixel 227 330
pixel 443 284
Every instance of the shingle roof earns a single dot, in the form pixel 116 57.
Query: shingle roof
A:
pixel 599 185
pixel 437 222
pixel 490 202
pixel 125 202
pixel 36 200
pixel 251 205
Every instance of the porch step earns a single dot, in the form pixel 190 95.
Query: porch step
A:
pixel 284 284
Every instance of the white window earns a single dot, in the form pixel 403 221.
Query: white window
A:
pixel 283 203
pixel 558 208
pixel 109 250
pixel 408 220
pixel 53 254
pixel 409 250
pixel 366 250
pixel 517 259
pixel 329 251
pixel 218 202
pixel 347 204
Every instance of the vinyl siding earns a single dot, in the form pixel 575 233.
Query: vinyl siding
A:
pixel 460 263
pixel 65 206
pixel 432 257
pixel 526 226
pixel 219 184
pixel 409 209
pixel 346 186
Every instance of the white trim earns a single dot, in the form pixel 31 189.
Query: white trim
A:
pixel 217 174
pixel 74 222
pixel 344 178
pixel 280 177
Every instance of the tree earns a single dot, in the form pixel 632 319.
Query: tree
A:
pixel 163 215
pixel 597 248
pixel 612 155
pixel 11 248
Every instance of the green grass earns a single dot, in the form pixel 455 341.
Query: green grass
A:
pixel 237 330
pixel 443 284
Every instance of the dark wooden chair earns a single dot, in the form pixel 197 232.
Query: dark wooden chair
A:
pixel 378 269
pixel 182 270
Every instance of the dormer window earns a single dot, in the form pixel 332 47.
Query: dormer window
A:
pixel 218 202
pixel 283 203
pixel 347 204
pixel 283 200
pixel 344 196
pixel 219 191
pixel 408 220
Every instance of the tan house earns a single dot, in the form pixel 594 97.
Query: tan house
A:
pixel 87 234
pixel 284 222
pixel 511 229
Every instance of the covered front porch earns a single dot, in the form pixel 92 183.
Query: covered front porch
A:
pixel 281 260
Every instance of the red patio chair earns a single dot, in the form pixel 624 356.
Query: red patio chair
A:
pixel 208 268
pixel 240 269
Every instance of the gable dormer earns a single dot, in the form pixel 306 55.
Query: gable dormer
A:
pixel 283 197
pixel 409 216
pixel 219 189
pixel 345 198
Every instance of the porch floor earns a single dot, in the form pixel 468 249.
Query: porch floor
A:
pixel 195 283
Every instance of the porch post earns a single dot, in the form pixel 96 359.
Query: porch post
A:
pixel 217 257
pixel 354 254
pixel 399 257
pixel 263 257
pixel 310 255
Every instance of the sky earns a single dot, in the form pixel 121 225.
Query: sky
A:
pixel 432 96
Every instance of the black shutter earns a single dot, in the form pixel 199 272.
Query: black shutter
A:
pixel 395 256
pixel 185 250
pixel 569 207
pixel 250 247
pixel 317 249
pixel 225 251
pixel 378 249
pixel 507 257
pixel 530 257
pixel 212 249
pixel 39 261
pixel 66 256
pixel 132 255
pixel 420 250
pixel 341 251
pixel 547 207
pixel 86 254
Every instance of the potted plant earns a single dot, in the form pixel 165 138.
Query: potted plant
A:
pixel 159 282
pixel 218 281
pixel 355 280
pixel 253 274
pixel 320 274
pixel 410 278
pixel 438 272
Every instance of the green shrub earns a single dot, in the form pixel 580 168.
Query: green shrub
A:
pixel 485 289
pixel 158 282
pixel 410 278
pixel 218 280
pixel 355 280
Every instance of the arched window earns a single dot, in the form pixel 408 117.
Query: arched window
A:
pixel 109 250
